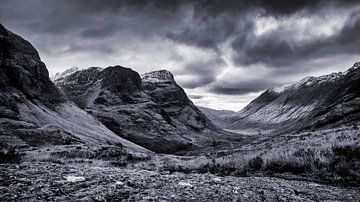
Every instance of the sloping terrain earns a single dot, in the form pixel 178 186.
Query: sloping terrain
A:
pixel 32 109
pixel 314 102
pixel 152 110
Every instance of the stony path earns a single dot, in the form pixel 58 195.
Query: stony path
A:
pixel 54 182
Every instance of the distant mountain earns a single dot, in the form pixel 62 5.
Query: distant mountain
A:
pixel 150 110
pixel 218 117
pixel 314 102
pixel 33 111
pixel 65 73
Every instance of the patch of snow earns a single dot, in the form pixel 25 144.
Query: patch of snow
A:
pixel 72 178
pixel 354 67
pixel 281 89
pixel 310 81
pixel 65 73
pixel 306 81
pixel 185 184
pixel 157 76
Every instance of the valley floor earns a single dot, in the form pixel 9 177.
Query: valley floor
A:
pixel 244 173
pixel 30 181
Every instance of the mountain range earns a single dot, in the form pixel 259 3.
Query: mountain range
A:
pixel 33 111
pixel 314 102
pixel 150 112
pixel 150 109
pixel 114 105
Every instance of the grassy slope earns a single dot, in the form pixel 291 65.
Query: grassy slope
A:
pixel 327 156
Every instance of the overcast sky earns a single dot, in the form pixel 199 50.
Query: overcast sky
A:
pixel 224 53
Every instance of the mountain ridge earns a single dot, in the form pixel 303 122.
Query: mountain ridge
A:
pixel 315 102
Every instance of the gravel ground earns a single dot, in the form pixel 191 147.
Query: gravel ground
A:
pixel 56 182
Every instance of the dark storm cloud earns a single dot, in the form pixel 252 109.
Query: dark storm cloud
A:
pixel 211 31
pixel 227 90
pixel 212 22
pixel 241 87
pixel 99 31
pixel 276 50
pixel 205 72
pixel 80 26
pixel 210 7
pixel 195 97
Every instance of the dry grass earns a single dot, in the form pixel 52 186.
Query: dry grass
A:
pixel 95 155
pixel 331 156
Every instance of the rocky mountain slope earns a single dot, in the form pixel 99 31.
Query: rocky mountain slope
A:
pixel 32 109
pixel 312 103
pixel 150 110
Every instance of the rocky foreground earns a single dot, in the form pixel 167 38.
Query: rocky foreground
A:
pixel 79 182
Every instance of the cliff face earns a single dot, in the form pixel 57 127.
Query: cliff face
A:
pixel 161 87
pixel 22 70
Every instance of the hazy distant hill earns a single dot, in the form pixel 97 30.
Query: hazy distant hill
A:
pixel 217 116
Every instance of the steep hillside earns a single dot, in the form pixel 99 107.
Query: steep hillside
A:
pixel 32 109
pixel 312 103
pixel 150 110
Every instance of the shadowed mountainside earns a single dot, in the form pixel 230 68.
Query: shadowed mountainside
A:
pixel 150 110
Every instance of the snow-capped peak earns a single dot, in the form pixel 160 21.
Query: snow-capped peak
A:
pixel 158 76
pixel 65 73
pixel 354 67
pixel 310 81
pixel 280 89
